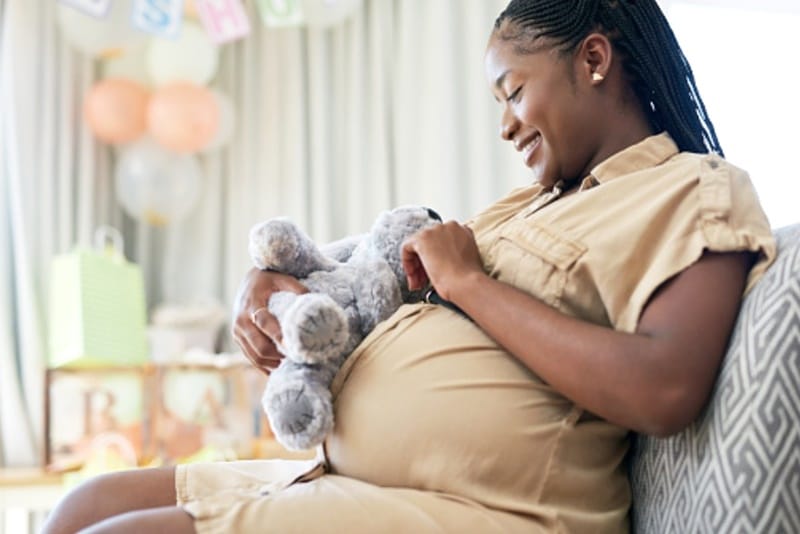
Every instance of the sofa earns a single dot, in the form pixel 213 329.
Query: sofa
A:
pixel 737 468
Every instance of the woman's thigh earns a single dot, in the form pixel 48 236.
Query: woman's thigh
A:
pixel 112 494
pixel 333 503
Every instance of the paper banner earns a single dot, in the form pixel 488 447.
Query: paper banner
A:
pixel 95 8
pixel 280 12
pixel 161 17
pixel 224 20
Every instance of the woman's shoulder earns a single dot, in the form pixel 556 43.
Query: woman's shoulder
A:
pixel 722 205
pixel 692 165
pixel 718 185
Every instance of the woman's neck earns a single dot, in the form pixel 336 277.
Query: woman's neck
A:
pixel 628 128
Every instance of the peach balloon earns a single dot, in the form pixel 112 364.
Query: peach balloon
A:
pixel 116 110
pixel 183 117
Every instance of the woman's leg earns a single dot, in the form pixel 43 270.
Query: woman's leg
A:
pixel 153 520
pixel 109 495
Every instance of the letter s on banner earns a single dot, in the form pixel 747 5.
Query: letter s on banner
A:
pixel 224 20
pixel 161 17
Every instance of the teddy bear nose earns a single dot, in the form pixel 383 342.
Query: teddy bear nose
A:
pixel 434 215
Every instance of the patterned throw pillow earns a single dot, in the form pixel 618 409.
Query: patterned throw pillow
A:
pixel 737 468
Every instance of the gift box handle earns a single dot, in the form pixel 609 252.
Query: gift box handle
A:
pixel 109 241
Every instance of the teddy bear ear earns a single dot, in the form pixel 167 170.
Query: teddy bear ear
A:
pixel 434 215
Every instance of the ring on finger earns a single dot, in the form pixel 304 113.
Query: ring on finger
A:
pixel 254 315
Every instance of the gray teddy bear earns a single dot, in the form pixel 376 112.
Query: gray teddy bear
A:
pixel 353 285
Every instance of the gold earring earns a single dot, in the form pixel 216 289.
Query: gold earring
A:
pixel 597 77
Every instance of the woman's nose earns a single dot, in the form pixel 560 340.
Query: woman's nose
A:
pixel 508 125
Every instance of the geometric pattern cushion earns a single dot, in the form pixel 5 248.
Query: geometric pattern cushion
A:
pixel 737 468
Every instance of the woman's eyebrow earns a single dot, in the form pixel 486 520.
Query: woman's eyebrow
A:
pixel 500 79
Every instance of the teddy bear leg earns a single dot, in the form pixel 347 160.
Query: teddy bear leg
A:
pixel 299 408
pixel 314 328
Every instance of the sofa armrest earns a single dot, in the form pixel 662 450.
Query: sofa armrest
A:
pixel 737 468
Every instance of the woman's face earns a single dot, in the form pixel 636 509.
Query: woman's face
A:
pixel 545 114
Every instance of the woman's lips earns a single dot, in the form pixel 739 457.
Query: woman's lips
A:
pixel 529 150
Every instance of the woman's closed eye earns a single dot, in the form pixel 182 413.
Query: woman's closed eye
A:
pixel 514 97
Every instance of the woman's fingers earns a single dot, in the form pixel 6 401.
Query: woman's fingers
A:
pixel 267 323
pixel 412 265
pixel 255 329
pixel 440 255
pixel 256 344
pixel 288 283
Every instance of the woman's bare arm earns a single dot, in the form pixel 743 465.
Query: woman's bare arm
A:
pixel 655 380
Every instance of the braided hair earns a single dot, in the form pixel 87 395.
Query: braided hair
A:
pixel 652 59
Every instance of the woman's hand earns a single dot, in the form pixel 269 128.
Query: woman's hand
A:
pixel 256 330
pixel 442 255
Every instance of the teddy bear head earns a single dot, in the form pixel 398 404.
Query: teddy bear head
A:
pixel 387 234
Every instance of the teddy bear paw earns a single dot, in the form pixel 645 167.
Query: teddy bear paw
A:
pixel 315 329
pixel 300 415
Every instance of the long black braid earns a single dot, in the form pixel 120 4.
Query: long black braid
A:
pixel 652 59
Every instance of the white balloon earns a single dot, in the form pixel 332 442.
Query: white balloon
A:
pixel 190 57
pixel 323 13
pixel 227 122
pixel 100 36
pixel 130 65
pixel 157 186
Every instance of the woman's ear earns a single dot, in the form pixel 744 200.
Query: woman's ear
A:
pixel 595 55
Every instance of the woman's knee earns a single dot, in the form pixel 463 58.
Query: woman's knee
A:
pixel 111 494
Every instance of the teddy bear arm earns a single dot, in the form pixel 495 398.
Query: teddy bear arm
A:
pixel 377 294
pixel 279 302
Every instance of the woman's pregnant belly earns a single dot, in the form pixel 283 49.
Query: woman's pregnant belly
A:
pixel 429 401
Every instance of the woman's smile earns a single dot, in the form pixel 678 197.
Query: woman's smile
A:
pixel 528 148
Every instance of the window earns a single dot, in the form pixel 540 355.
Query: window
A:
pixel 742 54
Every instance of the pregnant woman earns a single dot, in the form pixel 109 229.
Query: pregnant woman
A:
pixel 600 301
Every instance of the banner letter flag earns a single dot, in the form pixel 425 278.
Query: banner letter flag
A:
pixel 160 17
pixel 224 20
pixel 95 8
pixel 280 12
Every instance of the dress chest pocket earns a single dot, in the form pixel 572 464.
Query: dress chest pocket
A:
pixel 534 259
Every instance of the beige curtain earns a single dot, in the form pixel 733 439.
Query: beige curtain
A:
pixel 333 126
pixel 52 194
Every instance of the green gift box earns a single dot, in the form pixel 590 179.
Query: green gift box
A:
pixel 97 307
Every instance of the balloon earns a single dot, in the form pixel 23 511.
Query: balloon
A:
pixel 156 186
pixel 116 110
pixel 322 13
pixel 190 57
pixel 130 64
pixel 106 36
pixel 227 122
pixel 183 117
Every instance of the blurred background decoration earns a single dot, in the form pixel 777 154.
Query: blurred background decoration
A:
pixel 157 60
pixel 155 185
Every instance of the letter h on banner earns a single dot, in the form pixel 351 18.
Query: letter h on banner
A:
pixel 224 20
